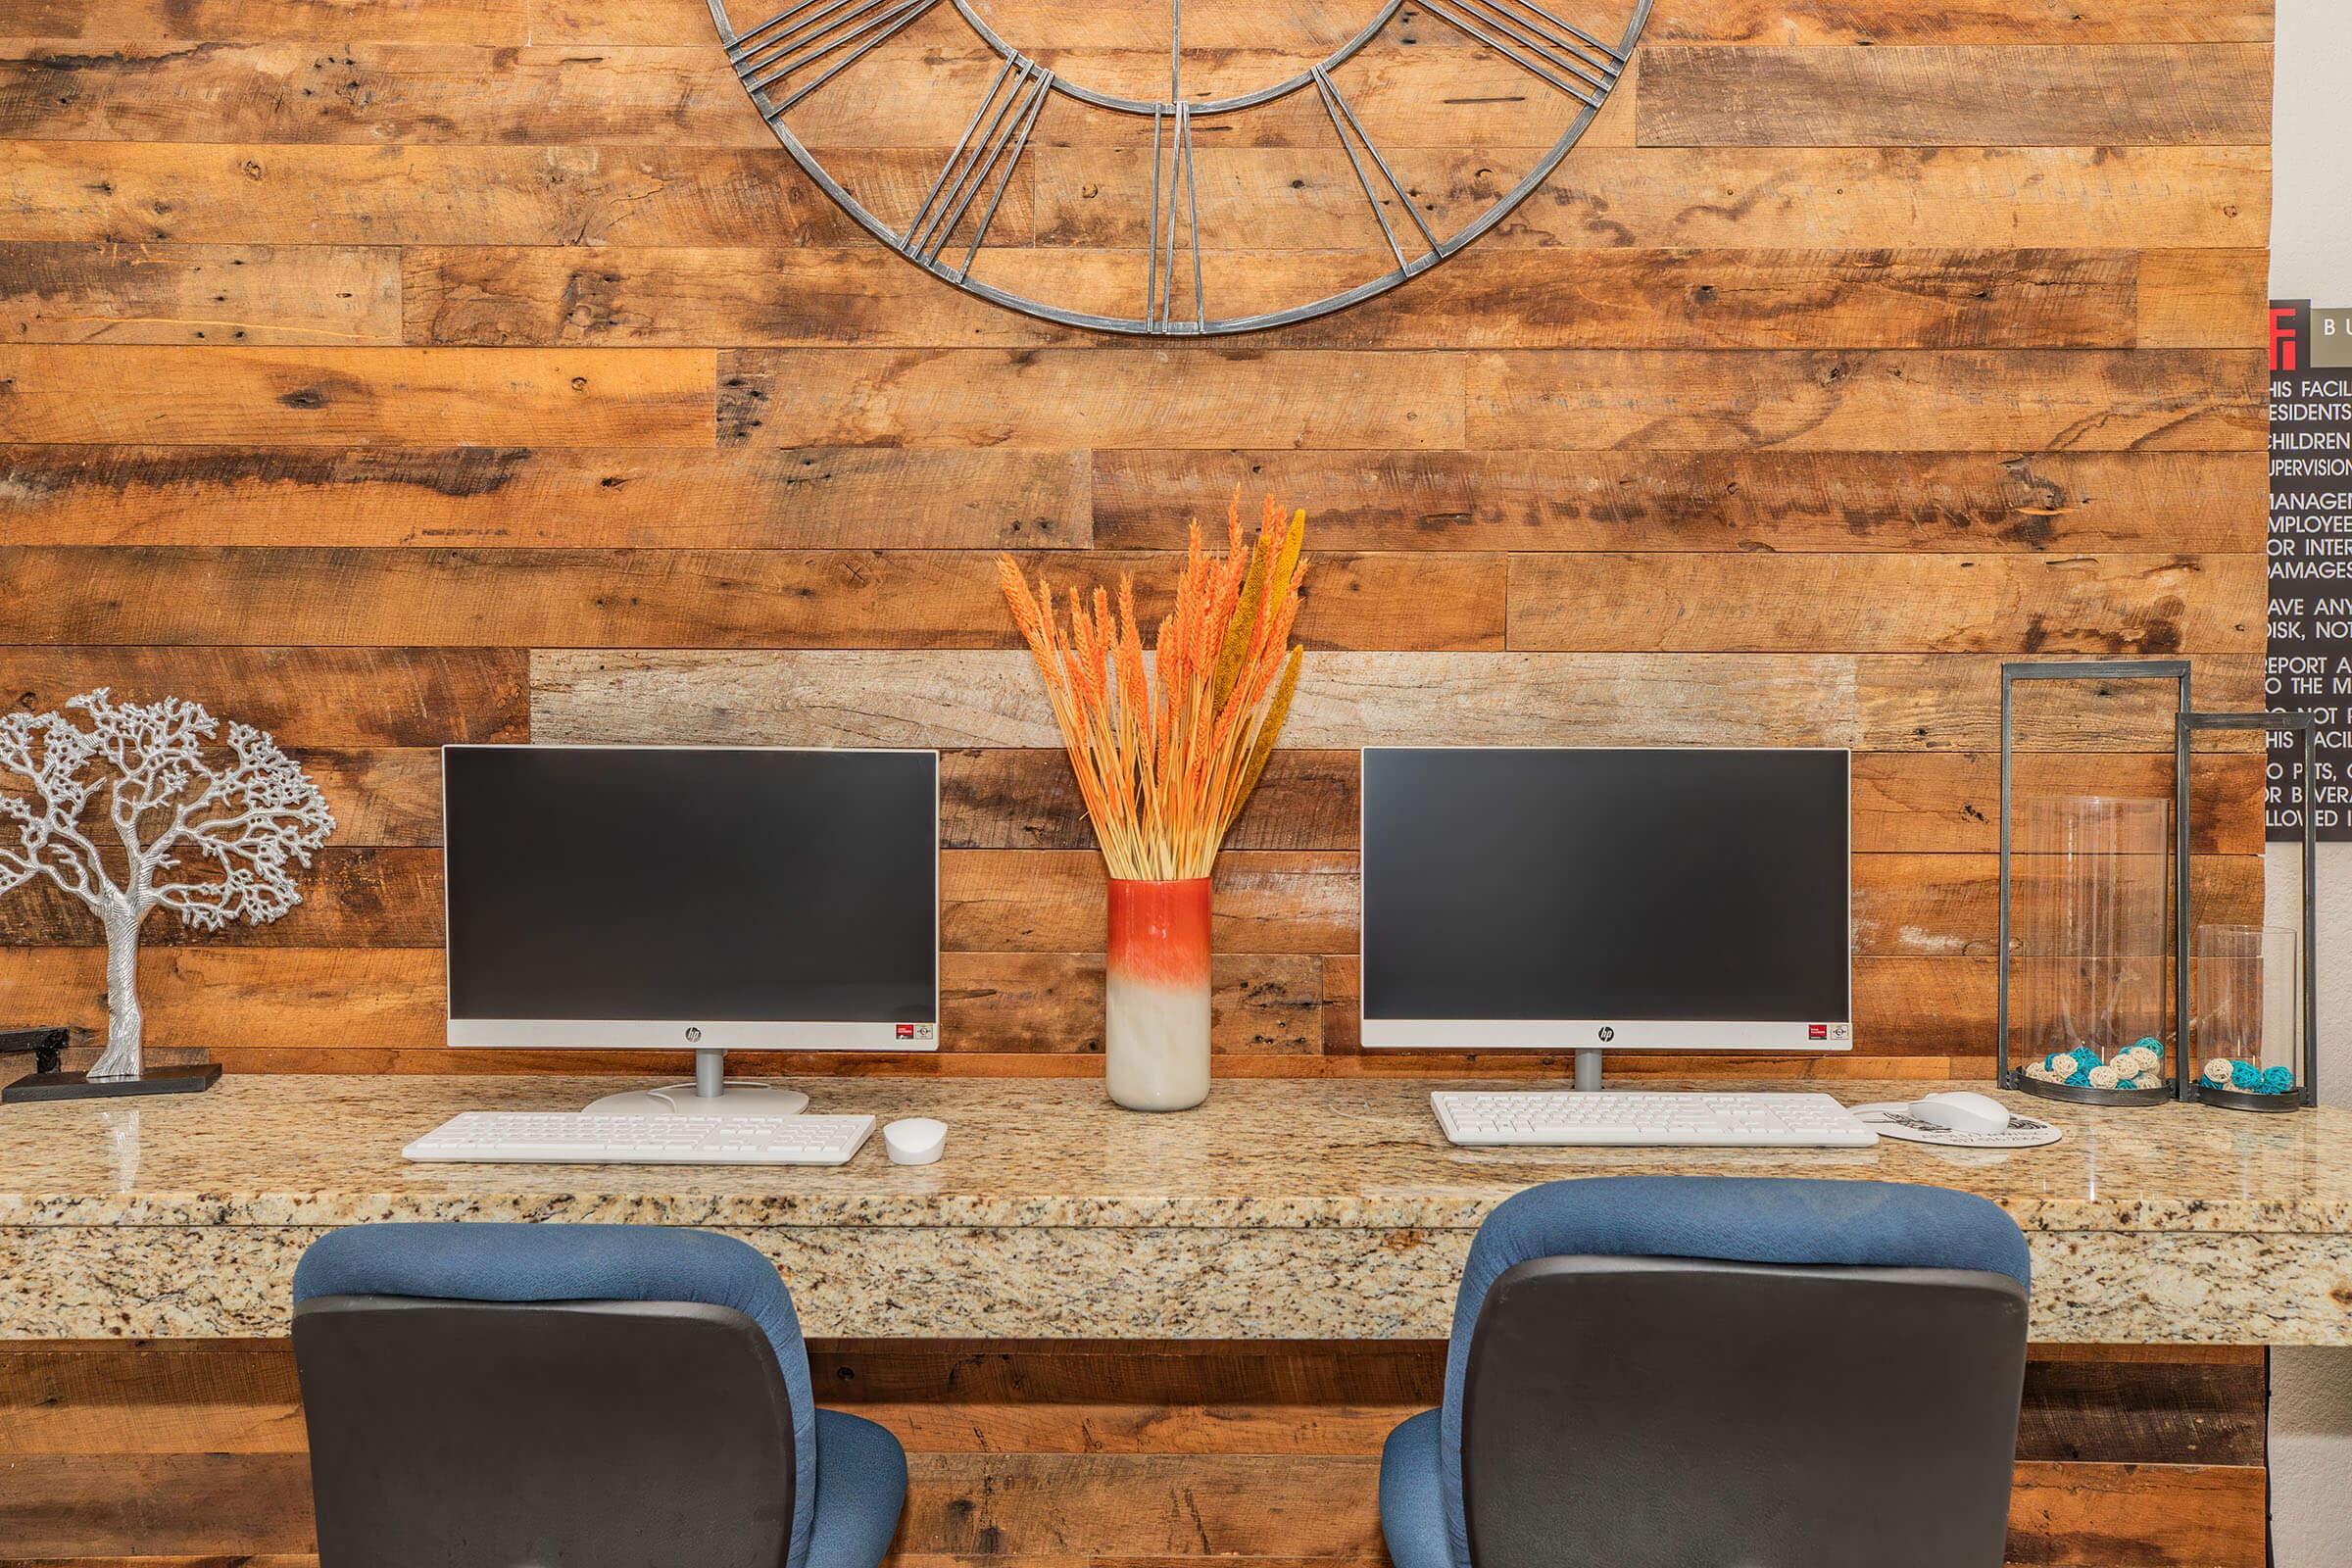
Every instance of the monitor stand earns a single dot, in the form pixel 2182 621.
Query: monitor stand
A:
pixel 1588 1070
pixel 712 1094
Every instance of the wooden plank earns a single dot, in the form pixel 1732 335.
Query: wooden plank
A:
pixel 375 93
pixel 1238 24
pixel 1345 700
pixel 1017 798
pixel 1101 397
pixel 543 496
pixel 999 902
pixel 254 294
pixel 1484 297
pixel 1970 95
pixel 911 91
pixel 2079 1515
pixel 1949 802
pixel 306 697
pixel 2146 1405
pixel 2129 607
pixel 1717 198
pixel 2203 299
pixel 1924 802
pixel 62 1505
pixel 1794 198
pixel 1998 21
pixel 1942 703
pixel 1958 401
pixel 299 1008
pixel 1910 503
pixel 688 599
pixel 367 1009
pixel 525 195
pixel 148 1396
pixel 390 795
pixel 484 22
pixel 310 396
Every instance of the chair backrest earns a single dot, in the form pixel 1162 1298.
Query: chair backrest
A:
pixel 1768 1374
pixel 586 1395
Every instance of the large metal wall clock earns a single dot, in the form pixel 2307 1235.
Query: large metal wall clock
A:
pixel 1178 170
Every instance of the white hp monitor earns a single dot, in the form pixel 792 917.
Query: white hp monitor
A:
pixel 710 898
pixel 1577 898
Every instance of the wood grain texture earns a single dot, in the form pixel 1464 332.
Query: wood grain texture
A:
pixel 175 396
pixel 478 497
pixel 409 372
pixel 2176 400
pixel 1499 298
pixel 1056 1454
pixel 2125 607
pixel 2064 503
pixel 257 294
pixel 671 597
pixel 1960 96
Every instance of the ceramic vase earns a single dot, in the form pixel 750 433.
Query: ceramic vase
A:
pixel 1156 1025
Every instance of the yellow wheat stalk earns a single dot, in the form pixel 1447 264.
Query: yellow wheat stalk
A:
pixel 1166 755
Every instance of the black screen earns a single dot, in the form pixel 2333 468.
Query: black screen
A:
pixel 1572 885
pixel 662 883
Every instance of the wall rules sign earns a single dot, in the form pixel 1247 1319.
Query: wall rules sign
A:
pixel 2310 558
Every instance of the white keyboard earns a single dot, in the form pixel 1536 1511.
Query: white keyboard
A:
pixel 1685 1120
pixel 576 1138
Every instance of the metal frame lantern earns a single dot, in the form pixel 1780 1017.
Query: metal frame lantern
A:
pixel 2186 727
pixel 2011 1077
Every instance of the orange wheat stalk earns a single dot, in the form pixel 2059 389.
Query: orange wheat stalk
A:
pixel 1166 755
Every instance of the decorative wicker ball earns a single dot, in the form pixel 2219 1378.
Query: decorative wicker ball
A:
pixel 2217 1072
pixel 2277 1080
pixel 2105 1076
pixel 2244 1075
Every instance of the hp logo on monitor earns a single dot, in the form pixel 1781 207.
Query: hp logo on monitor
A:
pixel 1607 1033
pixel 693 1033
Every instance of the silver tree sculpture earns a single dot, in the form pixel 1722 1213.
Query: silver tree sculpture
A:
pixel 208 830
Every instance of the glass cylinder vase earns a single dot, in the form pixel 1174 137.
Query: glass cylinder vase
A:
pixel 2091 879
pixel 2246 1002
pixel 1156 993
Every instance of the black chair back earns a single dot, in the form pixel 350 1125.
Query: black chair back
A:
pixel 579 1434
pixel 1640 1412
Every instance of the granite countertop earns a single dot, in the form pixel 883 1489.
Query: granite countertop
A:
pixel 310 1152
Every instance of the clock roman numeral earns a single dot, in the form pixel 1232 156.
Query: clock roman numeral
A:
pixel 796 40
pixel 1343 121
pixel 969 168
pixel 1159 300
pixel 1536 42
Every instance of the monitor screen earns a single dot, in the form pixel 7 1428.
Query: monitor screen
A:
pixel 625 896
pixel 1690 900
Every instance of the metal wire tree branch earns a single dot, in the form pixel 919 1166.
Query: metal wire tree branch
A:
pixel 212 838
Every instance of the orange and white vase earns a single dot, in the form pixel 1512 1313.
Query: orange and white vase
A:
pixel 1156 1027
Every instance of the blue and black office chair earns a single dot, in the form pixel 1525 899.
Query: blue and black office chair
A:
pixel 1700 1373
pixel 578 1395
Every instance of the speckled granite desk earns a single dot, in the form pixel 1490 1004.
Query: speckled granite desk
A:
pixel 1284 1210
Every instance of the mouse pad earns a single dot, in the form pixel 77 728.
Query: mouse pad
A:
pixel 1893 1119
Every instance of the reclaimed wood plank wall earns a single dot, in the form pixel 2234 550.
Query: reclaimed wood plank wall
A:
pixel 192 1454
pixel 389 372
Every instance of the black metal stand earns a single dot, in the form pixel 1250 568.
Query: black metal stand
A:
pixel 40 1086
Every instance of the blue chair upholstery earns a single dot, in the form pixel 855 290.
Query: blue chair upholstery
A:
pixel 1846 1223
pixel 849 1474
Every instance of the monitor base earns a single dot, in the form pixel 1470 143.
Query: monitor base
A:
pixel 1587 1071
pixel 741 1098
pixel 712 1094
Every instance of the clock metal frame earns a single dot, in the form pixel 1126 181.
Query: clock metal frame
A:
pixel 791 53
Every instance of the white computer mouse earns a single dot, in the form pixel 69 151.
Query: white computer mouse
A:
pixel 915 1140
pixel 1961 1112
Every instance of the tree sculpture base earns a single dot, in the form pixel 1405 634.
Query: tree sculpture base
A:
pixel 192 1080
